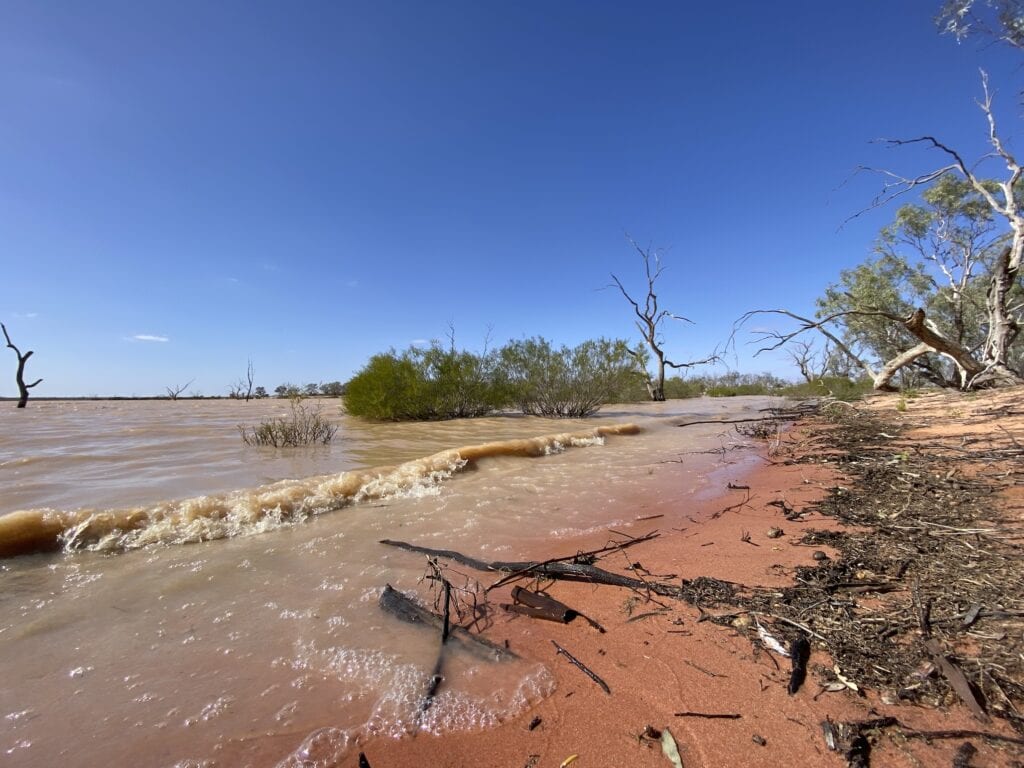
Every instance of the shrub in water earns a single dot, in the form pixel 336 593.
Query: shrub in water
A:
pixel 566 382
pixel 303 427
pixel 425 384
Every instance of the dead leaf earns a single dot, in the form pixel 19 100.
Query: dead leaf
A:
pixel 845 681
pixel 769 641
pixel 670 749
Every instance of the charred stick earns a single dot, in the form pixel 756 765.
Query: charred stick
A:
pixel 445 630
pixel 711 715
pixel 582 668
pixel 800 653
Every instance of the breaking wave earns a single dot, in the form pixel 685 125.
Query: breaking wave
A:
pixel 255 510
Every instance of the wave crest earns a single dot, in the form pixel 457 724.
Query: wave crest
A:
pixel 256 510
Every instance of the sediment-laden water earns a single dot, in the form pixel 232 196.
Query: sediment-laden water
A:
pixel 208 599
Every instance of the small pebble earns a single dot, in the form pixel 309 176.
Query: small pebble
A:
pixel 774 533
pixel 819 555
pixel 760 740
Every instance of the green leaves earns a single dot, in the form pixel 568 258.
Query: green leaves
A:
pixel 531 374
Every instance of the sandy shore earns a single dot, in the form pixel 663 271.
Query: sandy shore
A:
pixel 659 658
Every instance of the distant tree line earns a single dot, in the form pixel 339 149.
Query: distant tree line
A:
pixel 531 375
pixel 287 390
pixel 538 378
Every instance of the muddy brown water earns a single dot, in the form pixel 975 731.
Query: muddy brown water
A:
pixel 209 595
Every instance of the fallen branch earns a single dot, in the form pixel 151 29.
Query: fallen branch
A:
pixel 726 421
pixel 555 568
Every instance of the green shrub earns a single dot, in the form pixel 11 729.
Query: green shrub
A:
pixel 566 382
pixel 461 384
pixel 425 384
pixel 303 427
pixel 677 388
pixel 838 387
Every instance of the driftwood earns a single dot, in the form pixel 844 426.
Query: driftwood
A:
pixel 582 668
pixel 554 569
pixel 541 606
pixel 408 610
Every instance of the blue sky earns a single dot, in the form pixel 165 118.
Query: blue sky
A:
pixel 187 185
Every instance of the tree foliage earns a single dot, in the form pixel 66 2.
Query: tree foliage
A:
pixel 936 256
pixel 1000 19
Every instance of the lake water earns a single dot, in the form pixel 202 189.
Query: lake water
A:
pixel 210 603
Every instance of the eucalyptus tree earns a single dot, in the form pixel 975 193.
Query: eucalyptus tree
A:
pixel 941 295
pixel 999 19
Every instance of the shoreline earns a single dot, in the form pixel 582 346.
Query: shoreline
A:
pixel 660 658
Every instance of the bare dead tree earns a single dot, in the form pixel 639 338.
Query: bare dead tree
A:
pixel 1004 319
pixel 812 362
pixel 23 388
pixel 249 375
pixel 649 321
pixel 175 391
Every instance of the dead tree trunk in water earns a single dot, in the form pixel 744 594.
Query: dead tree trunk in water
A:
pixel 649 319
pixel 249 378
pixel 23 388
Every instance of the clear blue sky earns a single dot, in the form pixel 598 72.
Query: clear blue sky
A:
pixel 186 185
